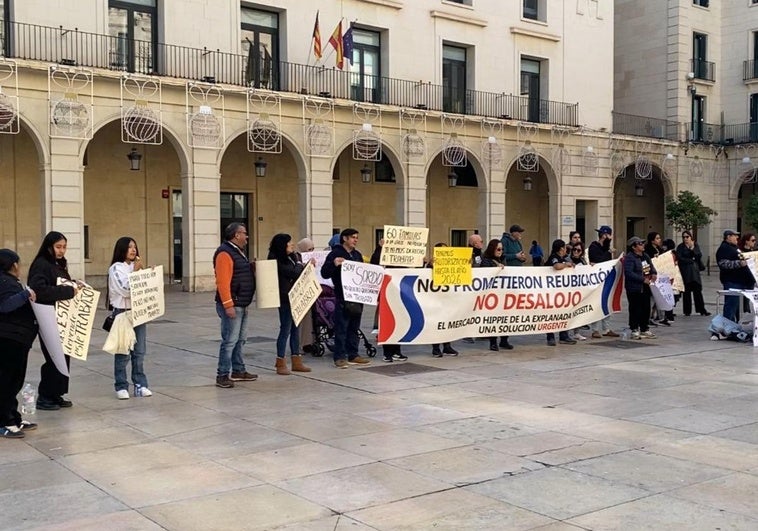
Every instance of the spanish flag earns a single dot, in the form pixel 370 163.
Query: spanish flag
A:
pixel 316 39
pixel 336 41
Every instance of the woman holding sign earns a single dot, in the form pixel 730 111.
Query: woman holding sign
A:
pixel 47 267
pixel 288 267
pixel 126 260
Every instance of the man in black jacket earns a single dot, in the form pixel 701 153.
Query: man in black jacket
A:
pixel 347 315
pixel 733 272
pixel 600 251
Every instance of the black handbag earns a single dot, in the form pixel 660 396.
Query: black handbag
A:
pixel 108 323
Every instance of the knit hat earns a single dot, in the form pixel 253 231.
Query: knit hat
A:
pixel 7 259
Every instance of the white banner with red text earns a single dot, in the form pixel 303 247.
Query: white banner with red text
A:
pixel 509 301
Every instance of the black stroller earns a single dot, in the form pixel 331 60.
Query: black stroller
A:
pixel 323 325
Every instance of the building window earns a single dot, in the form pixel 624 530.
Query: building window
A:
pixel 234 208
pixel 365 68
pixel 466 175
pixel 86 242
pixel 535 10
pixel 704 3
pixel 383 171
pixel 754 117
pixel 459 237
pixel 260 44
pixel 133 42
pixel 5 27
pixel 462 2
pixel 530 90
pixel 701 67
pixel 698 132
pixel 454 79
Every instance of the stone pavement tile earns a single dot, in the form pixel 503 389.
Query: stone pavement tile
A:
pixel 542 395
pixel 353 401
pixel 611 407
pixel 393 444
pixel 691 419
pixel 663 512
pixel 323 426
pixel 713 390
pixel 711 450
pixel 30 475
pixel 644 470
pixel 413 415
pixel 747 433
pixel 157 486
pixel 743 406
pixel 118 521
pixel 450 510
pixel 476 429
pixel 558 526
pixel 232 439
pixel 160 421
pixel 261 507
pixel 449 376
pixel 627 433
pixel 362 486
pixel 294 461
pixel 536 443
pixel 125 460
pixel 558 493
pixel 59 442
pixel 735 493
pixel 465 465
pixel 545 418
pixel 31 509
pixel 337 522
pixel 574 453
pixel 670 396
pixel 19 452
pixel 434 394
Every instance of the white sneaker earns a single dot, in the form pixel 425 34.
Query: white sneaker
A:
pixel 580 337
pixel 122 394
pixel 142 391
pixel 636 334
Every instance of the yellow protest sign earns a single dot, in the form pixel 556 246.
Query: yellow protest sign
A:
pixel 451 266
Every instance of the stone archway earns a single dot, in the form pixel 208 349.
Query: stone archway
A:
pixel 535 209
pixel 635 214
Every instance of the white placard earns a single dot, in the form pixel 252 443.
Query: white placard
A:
pixel 320 257
pixel 146 289
pixel 304 293
pixel 266 284
pixel 404 246
pixel 663 293
pixel 75 318
pixel 361 282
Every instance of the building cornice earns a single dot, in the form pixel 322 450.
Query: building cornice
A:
pixel 536 34
pixel 394 4
pixel 457 17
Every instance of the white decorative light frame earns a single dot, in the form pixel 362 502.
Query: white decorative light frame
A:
pixel 141 110
pixel 9 120
pixel 318 126
pixel 367 138
pixel 263 115
pixel 413 135
pixel 71 98
pixel 206 120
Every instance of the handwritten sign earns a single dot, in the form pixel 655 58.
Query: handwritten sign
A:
pixel 452 266
pixel 146 286
pixel 404 246
pixel 304 293
pixel 320 257
pixel 361 282
pixel 74 318
pixel 666 265
pixel 752 262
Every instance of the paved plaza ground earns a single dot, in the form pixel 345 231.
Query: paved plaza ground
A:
pixel 602 435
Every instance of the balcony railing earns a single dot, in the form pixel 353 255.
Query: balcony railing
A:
pixel 740 133
pixel 750 69
pixel 630 124
pixel 703 69
pixel 53 45
pixel 701 132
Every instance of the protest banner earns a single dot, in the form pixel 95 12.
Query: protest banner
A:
pixel 304 293
pixel 451 266
pixel 404 246
pixel 320 257
pixel 146 287
pixel 507 301
pixel 49 333
pixel 74 318
pixel 665 264
pixel 266 284
pixel 361 282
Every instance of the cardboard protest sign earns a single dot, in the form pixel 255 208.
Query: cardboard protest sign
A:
pixel 49 333
pixel 514 301
pixel 75 318
pixel 304 293
pixel 361 282
pixel 451 266
pixel 266 284
pixel 663 293
pixel 404 246
pixel 666 265
pixel 146 287
pixel 320 257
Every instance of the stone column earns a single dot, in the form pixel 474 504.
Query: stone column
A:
pixel 495 212
pixel 415 204
pixel 201 234
pixel 317 198
pixel 66 200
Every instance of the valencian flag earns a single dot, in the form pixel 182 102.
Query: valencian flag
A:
pixel 316 39
pixel 336 41
pixel 347 44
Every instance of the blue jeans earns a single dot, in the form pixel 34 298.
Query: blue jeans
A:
pixel 345 334
pixel 233 336
pixel 732 304
pixel 287 328
pixel 136 356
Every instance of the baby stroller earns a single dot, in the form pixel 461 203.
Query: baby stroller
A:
pixel 323 325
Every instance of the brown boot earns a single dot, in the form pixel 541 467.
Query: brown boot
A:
pixel 281 367
pixel 298 365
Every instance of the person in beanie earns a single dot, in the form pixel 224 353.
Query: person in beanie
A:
pixel 18 328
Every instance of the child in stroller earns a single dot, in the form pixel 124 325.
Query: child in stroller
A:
pixel 323 324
